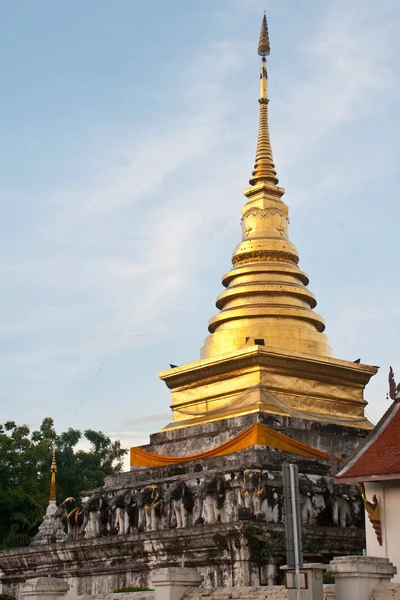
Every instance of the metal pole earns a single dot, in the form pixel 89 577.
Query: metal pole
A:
pixel 295 533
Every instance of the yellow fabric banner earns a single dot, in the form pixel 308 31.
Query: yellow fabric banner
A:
pixel 257 434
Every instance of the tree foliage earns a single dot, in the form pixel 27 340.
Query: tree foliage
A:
pixel 25 459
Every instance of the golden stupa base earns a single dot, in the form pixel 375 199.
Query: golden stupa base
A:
pixel 263 379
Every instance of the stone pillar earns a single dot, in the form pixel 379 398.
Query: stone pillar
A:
pixel 172 583
pixel 44 588
pixel 311 581
pixel 356 577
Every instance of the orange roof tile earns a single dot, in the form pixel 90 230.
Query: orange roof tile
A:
pixel 379 457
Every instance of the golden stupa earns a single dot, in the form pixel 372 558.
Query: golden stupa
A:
pixel 267 351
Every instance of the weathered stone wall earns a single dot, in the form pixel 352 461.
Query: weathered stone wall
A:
pixel 224 489
pixel 223 515
pixel 188 441
pixel 225 554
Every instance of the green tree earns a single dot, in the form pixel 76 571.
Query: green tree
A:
pixel 25 459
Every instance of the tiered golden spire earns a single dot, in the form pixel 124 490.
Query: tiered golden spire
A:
pixel 266 352
pixel 53 471
pixel 264 168
pixel 264 48
pixel 266 297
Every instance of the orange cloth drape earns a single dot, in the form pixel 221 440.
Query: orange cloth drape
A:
pixel 257 434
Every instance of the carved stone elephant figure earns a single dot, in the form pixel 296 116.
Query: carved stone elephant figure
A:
pixel 152 502
pixel 307 508
pixel 252 490
pixel 356 507
pixel 117 507
pixel 181 501
pixel 341 513
pixel 133 512
pixel 75 517
pixel 212 494
pixel 91 509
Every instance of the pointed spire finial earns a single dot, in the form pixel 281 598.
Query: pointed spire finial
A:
pixel 263 46
pixel 264 168
pixel 53 471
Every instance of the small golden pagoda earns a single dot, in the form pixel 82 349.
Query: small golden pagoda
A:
pixel 51 529
pixel 53 471
pixel 267 351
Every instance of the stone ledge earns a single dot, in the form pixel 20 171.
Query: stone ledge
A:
pixel 278 592
pixel 362 566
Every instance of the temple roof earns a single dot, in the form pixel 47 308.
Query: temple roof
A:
pixel 378 458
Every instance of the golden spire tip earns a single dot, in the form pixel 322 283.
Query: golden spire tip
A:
pixel 53 470
pixel 263 45
pixel 53 462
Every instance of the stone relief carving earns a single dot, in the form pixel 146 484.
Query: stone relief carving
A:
pixel 153 503
pixel 252 490
pixel 341 506
pixel 181 503
pixel 308 512
pixel 91 509
pixel 251 494
pixel 273 504
pixel 212 495
pixel 117 511
pixel 132 511
pixel 75 517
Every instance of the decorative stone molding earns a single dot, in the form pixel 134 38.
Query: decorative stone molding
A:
pixel 357 576
pixel 173 583
pixel 265 255
pixel 49 588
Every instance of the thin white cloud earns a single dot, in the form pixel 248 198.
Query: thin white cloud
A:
pixel 343 81
pixel 122 249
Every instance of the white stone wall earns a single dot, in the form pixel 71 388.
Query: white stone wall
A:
pixel 388 494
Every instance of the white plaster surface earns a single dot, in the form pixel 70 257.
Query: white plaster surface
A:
pixel 388 494
pixel 356 577
pixel 173 583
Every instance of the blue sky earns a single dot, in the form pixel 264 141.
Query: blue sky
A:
pixel 128 134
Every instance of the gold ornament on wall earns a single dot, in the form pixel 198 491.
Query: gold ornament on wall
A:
pixel 373 511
